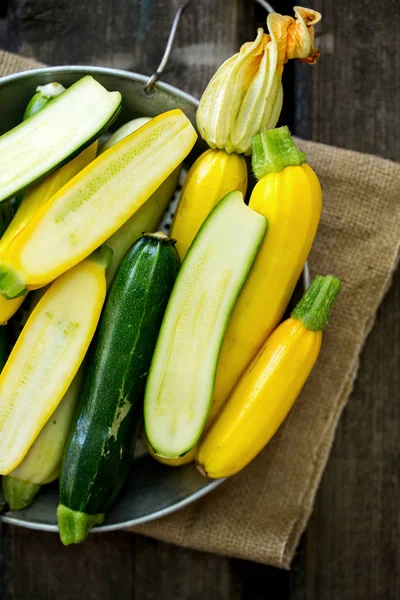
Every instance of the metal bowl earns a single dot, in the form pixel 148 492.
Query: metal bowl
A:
pixel 153 490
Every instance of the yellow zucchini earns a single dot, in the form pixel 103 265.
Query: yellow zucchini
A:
pixel 288 194
pixel 146 219
pixel 39 194
pixel 32 201
pixel 8 308
pixel 269 386
pixel 47 355
pixel 213 175
pixel 95 203
pixel 41 464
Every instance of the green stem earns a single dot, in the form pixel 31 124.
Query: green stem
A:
pixel 102 255
pixel 316 304
pixel 273 150
pixel 44 95
pixel 11 285
pixel 19 494
pixel 74 525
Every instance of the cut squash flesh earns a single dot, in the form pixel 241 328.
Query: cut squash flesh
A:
pixel 64 126
pixel 47 356
pixel 95 203
pixel 181 379
pixel 39 194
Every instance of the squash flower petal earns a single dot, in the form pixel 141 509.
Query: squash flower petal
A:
pixel 245 95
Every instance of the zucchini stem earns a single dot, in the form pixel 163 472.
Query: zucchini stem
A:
pixel 102 255
pixel 315 306
pixel 75 525
pixel 10 284
pixel 19 494
pixel 273 151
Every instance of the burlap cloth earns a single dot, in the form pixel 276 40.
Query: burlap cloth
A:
pixel 260 514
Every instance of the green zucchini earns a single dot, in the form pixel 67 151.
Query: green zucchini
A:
pixel 99 453
pixel 44 94
pixel 181 380
pixel 147 218
pixel 59 131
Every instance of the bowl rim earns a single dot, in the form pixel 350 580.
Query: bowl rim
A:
pixel 132 75
pixel 166 87
pixel 158 514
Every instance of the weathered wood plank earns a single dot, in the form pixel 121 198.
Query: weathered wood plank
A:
pixel 6 558
pixel 100 569
pixel 350 550
pixel 117 565
pixel 132 35
pixel 163 571
pixel 358 77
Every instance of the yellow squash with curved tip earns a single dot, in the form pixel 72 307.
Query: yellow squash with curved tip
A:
pixel 269 386
pixel 47 355
pixel 86 211
pixel 213 175
pixel 32 201
pixel 8 308
pixel 288 194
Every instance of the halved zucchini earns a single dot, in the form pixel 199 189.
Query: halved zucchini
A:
pixel 95 203
pixel 48 354
pixel 61 129
pixel 181 379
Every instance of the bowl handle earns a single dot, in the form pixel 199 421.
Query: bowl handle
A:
pixel 148 88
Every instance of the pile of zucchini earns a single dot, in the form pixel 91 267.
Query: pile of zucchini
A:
pixel 116 332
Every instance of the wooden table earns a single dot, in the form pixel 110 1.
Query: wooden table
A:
pixel 351 548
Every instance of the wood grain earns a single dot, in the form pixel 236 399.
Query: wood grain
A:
pixel 100 569
pixel 132 35
pixel 6 560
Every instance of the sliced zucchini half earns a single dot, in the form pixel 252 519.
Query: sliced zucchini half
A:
pixel 60 130
pixel 181 379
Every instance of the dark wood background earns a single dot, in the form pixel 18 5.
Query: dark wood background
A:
pixel 351 549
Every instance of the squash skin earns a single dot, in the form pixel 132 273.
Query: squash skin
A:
pixel 92 206
pixel 261 400
pixel 99 453
pixel 291 200
pixel 270 385
pixel 212 176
